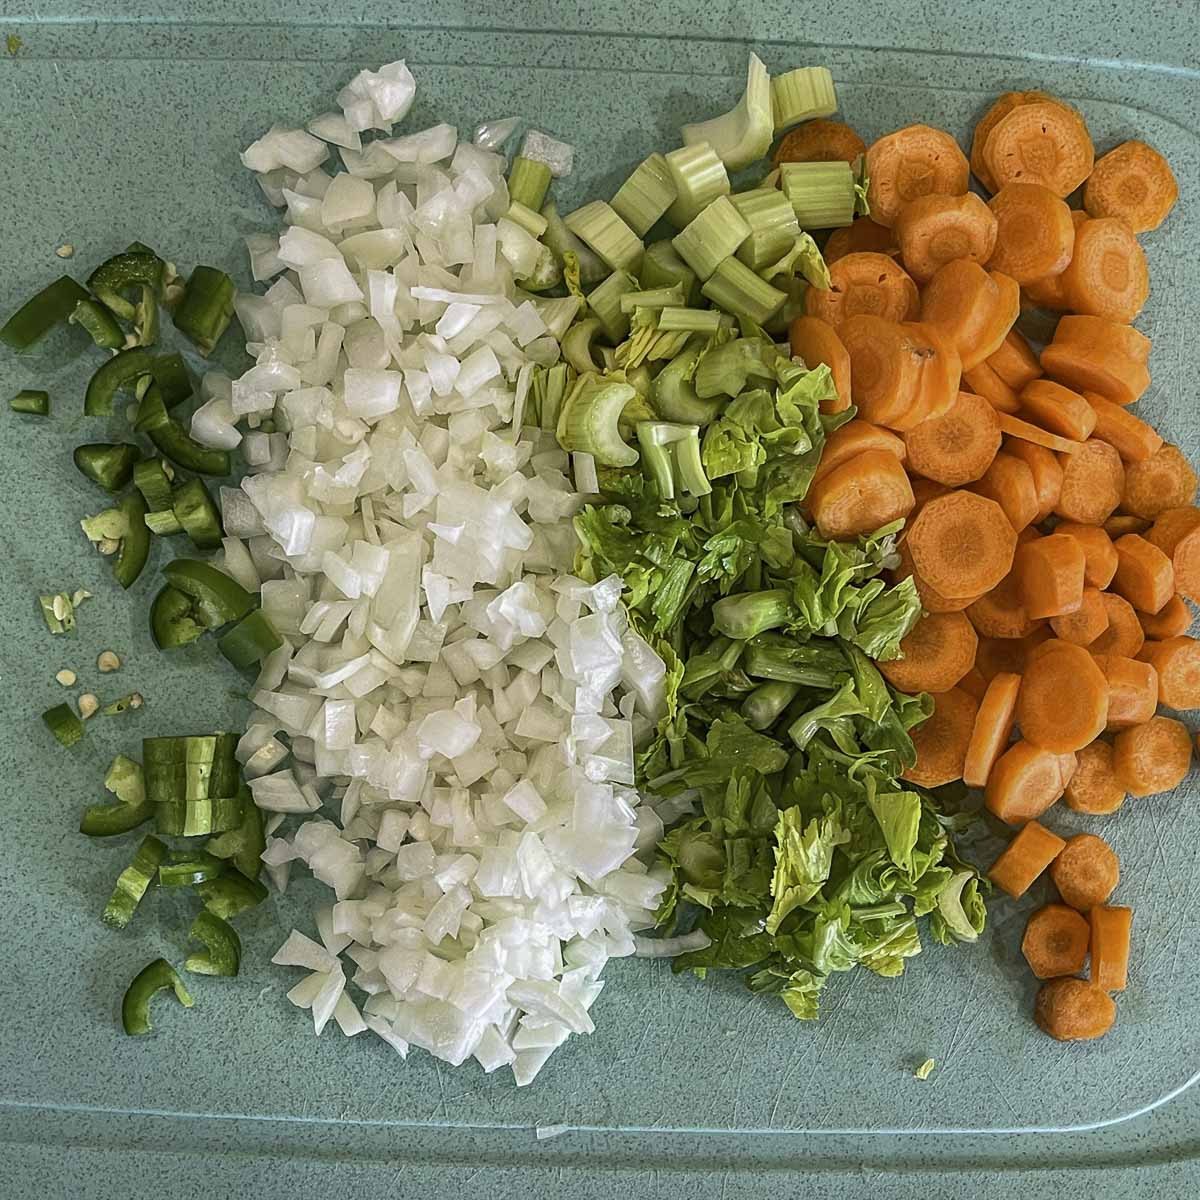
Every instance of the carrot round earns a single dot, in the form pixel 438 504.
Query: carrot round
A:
pixel 819 141
pixel 1152 758
pixel 1001 612
pixel 1025 781
pixel 1086 872
pixel 1124 636
pixel 1009 482
pixel 1082 329
pixel 1110 928
pixel 1073 1010
pixel 1014 362
pixel 993 726
pixel 861 235
pixel 1094 788
pixel 983 381
pixel 973 307
pixel 1177 662
pixel 1063 703
pixel 1165 480
pixel 958 446
pixel 1014 427
pixel 1100 556
pixel 860 495
pixel 1133 183
pixel 817 342
pixel 914 161
pixel 854 438
pixel 1176 532
pixel 939 377
pixel 941 741
pixel 1046 293
pixel 1055 941
pixel 1132 438
pixel 936 653
pixel 1058 409
pixel 962 544
pixel 1001 107
pixel 1045 142
pixel 1107 276
pixel 1086 623
pixel 1050 573
pixel 864 283
pixel 936 229
pixel 1091 354
pixel 1034 232
pixel 1093 483
pixel 1132 690
pixel 1172 620
pixel 1024 858
pixel 1046 470
pixel 932 601
pixel 1144 575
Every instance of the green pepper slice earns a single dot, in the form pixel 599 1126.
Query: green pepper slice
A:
pixel 194 818
pixel 206 309
pixel 64 723
pixel 171 374
pixel 135 545
pixel 41 313
pixel 250 640
pixel 244 845
pixel 99 323
pixel 219 599
pixel 171 439
pixel 132 269
pixel 124 779
pixel 173 620
pixel 123 370
pixel 36 404
pixel 153 978
pixel 223 948
pixel 188 869
pixel 110 464
pixel 231 894
pixel 133 881
pixel 196 512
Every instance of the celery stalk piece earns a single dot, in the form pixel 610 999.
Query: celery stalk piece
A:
pixel 675 395
pixel 744 133
pixel 792 307
pixel 662 267
pixel 822 195
pixel 711 237
pixel 773 226
pixel 561 241
pixel 671 458
pixel 736 289
pixel 590 418
pixel 599 228
pixel 577 344
pixel 694 320
pixel 699 177
pixel 804 257
pixel 645 195
pixel 528 182
pixel 607 303
pixel 663 297
pixel 801 95
pixel 529 219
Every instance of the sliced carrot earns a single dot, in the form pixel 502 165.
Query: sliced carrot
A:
pixel 1107 276
pixel 1045 142
pixel 962 544
pixel 1144 575
pixel 993 726
pixel 1008 655
pixel 1165 480
pixel 1087 872
pixel 1176 532
pixel 1172 620
pixel 957 446
pixel 855 438
pixel 1000 108
pixel 1120 524
pixel 1009 482
pixel 1055 941
pixel 941 741
pixel 1124 636
pixel 1100 557
pixel 1014 427
pixel 861 235
pixel 1110 935
pixel 819 141
pixel 1026 781
pixel 1024 858
pixel 940 375
pixel 974 684
pixel 914 161
pixel 1093 483
pixel 1073 1010
pixel 1094 788
pixel 1086 623
pixel 864 283
pixel 937 652
pixel 983 381
pixel 1063 703
pixel 1014 362
pixel 1001 613
pixel 1046 470
pixel 932 601
pixel 884 369
pixel 1132 690
pixel 860 495
pixel 1096 368
pixel 1050 574
pixel 1131 437
pixel 936 229
pixel 1177 661
pixel 1034 232
pixel 1134 183
pixel 817 342
pixel 1082 329
pixel 974 308
pixel 1058 409
pixel 1152 758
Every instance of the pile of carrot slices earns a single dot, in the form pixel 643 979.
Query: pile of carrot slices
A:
pixel 1051 533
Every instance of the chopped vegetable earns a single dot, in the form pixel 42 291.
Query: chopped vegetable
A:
pixel 133 881
pixel 40 314
pixel 206 309
pixel 108 464
pixel 35 404
pixel 223 948
pixel 64 724
pixel 744 134
pixel 124 780
pixel 153 978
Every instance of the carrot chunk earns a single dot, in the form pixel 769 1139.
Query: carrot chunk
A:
pixel 1107 276
pixel 962 544
pixel 1093 483
pixel 1110 928
pixel 1152 758
pixel 1074 1010
pixel 1009 482
pixel 1177 662
pixel 941 741
pixel 1094 788
pixel 1087 872
pixel 1086 623
pixel 819 140
pixel 936 653
pixel 1056 941
pixel 1134 183
pixel 1058 409
pixel 817 342
pixel 1176 532
pixel 1132 690
pixel 1025 858
pixel 1035 235
pixel 1045 142
pixel 861 495
pixel 936 229
pixel 993 726
pixel 864 283
pixel 959 445
pixel 861 235
pixel 972 307
pixel 1050 572
pixel 1063 703
pixel 914 161
pixel 1025 782
pixel 1124 635
pixel 1144 575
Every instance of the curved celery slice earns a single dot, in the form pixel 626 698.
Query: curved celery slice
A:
pixel 744 133
pixel 773 226
pixel 699 177
pixel 577 344
pixel 645 195
pixel 711 237
pixel 672 458
pixel 801 95
pixel 599 227
pixel 606 302
pixel 823 195
pixel 737 290
pixel 589 421
pixel 804 258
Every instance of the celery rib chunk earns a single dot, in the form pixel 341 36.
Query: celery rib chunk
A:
pixel 646 195
pixel 823 195
pixel 743 134
pixel 699 177
pixel 801 95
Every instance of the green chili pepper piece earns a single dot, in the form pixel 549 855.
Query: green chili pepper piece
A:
pixel 172 440
pixel 250 640
pixel 173 620
pixel 206 309
pixel 37 404
pixel 100 325
pixel 223 952
pixel 194 818
pixel 188 869
pixel 123 370
pixel 41 313
pixel 124 780
pixel 219 599
pixel 110 464
pixel 64 723
pixel 179 769
pixel 151 479
pixel 132 269
pixel 133 881
pixel 198 515
pixel 171 374
pixel 231 894
pixel 135 545
pixel 244 845
pixel 153 978
pixel 145 318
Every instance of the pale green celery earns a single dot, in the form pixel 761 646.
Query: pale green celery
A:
pixel 822 194
pixel 950 907
pixel 529 219
pixel 641 380
pixel 590 417
pixel 645 195
pixel 647 343
pixel 765 705
pixel 557 313
pixel 724 370
pixel 790 309
pixel 606 303
pixel 805 258
pixel 675 395
pixel 699 177
pixel 671 458
pixel 562 241
pixel 551 386
pixel 711 237
pixel 662 297
pixel 599 227
pixel 528 182
pixel 747 615
pixel 546 273
pixel 694 320
pixel 801 95
pixel 577 344
pixel 736 289
pixel 744 133
pixel 773 226
pixel 662 267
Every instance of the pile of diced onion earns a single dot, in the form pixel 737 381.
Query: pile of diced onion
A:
pixel 453 715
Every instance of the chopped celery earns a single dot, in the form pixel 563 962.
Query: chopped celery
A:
pixel 529 219
pixel 528 182
pixel 645 195
pixel 736 289
pixel 675 395
pixel 662 267
pixel 801 95
pixel 549 389
pixel 773 226
pixel 699 177
pixel 744 133
pixel 711 237
pixel 694 320
pixel 793 307
pixel 647 343
pixel 726 369
pixel 607 304
pixel 663 297
pixel 577 344
pixel 671 458
pixel 751 613
pixel 562 241
pixel 804 258
pixel 589 419
pixel 599 227
pixel 822 194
